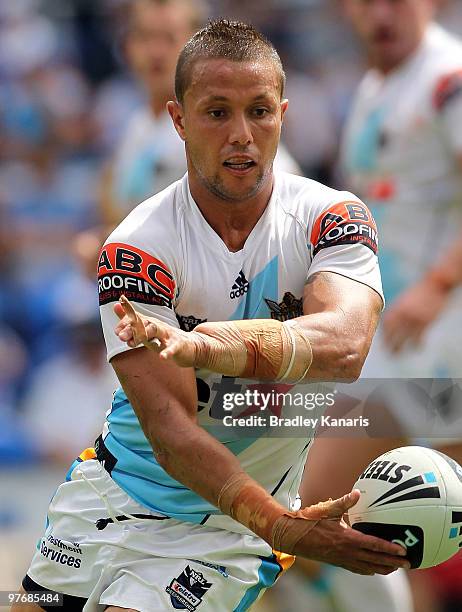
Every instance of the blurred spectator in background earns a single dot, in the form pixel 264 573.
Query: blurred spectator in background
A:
pixel 68 395
pixel 46 170
pixel 15 445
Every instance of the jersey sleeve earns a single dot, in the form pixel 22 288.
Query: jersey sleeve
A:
pixel 447 103
pixel 145 277
pixel 343 239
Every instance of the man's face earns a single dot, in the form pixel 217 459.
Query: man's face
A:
pixel 156 36
pixel 390 29
pixel 231 122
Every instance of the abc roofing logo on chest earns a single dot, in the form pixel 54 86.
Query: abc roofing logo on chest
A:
pixel 187 590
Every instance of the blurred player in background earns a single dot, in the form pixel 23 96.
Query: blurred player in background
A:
pixel 149 155
pixel 171 512
pixel 402 152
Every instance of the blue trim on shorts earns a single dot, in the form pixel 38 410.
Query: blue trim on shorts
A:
pixel 267 574
pixel 71 469
pixel 138 477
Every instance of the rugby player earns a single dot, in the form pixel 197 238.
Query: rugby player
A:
pixel 241 275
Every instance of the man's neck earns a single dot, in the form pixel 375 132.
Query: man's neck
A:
pixel 232 221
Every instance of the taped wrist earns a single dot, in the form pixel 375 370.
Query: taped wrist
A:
pixel 247 502
pixel 250 504
pixel 260 348
pixel 292 527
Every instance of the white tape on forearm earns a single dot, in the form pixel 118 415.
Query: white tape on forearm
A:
pixel 258 348
pixel 292 357
pixel 302 354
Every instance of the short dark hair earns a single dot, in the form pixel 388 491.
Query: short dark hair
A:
pixel 232 40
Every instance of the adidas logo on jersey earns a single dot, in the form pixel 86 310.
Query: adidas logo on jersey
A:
pixel 241 286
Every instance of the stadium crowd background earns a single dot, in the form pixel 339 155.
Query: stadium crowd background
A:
pixel 65 97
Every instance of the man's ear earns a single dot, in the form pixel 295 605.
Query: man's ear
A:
pixel 175 110
pixel 284 107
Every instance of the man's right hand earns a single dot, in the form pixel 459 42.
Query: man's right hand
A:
pixel 168 341
pixel 332 541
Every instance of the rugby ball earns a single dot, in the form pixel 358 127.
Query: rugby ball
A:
pixel 413 496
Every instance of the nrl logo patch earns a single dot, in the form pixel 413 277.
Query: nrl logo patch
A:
pixel 189 322
pixel 289 308
pixel 187 590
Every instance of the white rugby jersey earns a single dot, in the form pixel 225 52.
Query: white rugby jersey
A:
pixel 167 259
pixel 399 153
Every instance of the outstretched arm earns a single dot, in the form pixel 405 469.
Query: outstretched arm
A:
pixel 329 342
pixel 163 396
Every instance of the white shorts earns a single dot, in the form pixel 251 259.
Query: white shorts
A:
pixel 149 563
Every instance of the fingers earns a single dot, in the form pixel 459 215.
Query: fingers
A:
pixel 376 545
pixel 389 561
pixel 372 558
pixel 331 541
pixel 396 327
pixel 118 309
pixel 399 338
pixel 126 313
pixel 332 509
pixel 131 328
pixel 376 551
pixel 403 327
pixel 374 563
pixel 369 569
pixel 340 506
pixel 123 329
pixel 128 309
pixel 170 351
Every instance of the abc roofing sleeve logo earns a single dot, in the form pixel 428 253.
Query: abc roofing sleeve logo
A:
pixel 344 223
pixel 187 590
pixel 124 269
